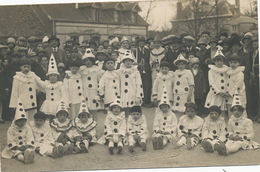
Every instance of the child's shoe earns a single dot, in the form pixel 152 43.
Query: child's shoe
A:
pixel 160 142
pixel 155 143
pixel 174 144
pixel 60 151
pixel 31 156
pixel 189 143
pixel 120 149
pixel 223 149
pixel 83 148
pixel 66 149
pixel 55 152
pixel 27 156
pixel 111 150
pixel 143 145
pixel 131 148
pixel 207 146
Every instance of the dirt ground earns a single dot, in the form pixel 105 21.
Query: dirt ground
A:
pixel 99 157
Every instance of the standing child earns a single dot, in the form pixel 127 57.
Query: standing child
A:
pixel 24 87
pixel 137 129
pixel 165 123
pixel 44 141
pixel 86 128
pixel 240 131
pixel 62 130
pixel 90 76
pixel 217 81
pixel 20 141
pixel 199 84
pixel 163 79
pixel 213 130
pixel 109 84
pixel 73 88
pixel 189 130
pixel 235 81
pixel 183 85
pixel 131 83
pixel 115 127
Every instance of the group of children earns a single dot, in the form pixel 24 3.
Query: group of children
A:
pixel 67 120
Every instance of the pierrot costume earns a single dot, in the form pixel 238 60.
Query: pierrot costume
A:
pixel 131 84
pixel 86 131
pixel 55 92
pixel 74 89
pixel 109 86
pixel 122 51
pixel 90 79
pixel 183 80
pixel 16 136
pixel 166 122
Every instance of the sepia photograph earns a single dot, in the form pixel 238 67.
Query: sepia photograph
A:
pixel 119 85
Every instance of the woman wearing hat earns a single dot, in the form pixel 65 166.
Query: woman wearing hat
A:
pixel 246 42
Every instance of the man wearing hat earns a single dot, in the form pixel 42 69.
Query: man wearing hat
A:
pixel 21 42
pixel 188 42
pixel 3 52
pixel 202 44
pixel 54 49
pixel 69 43
pixel 142 55
pixel 32 41
pixel 246 42
pixel 11 44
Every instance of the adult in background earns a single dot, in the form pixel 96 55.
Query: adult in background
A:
pixel 11 45
pixel 32 42
pixel 54 49
pixel 246 42
pixel 189 43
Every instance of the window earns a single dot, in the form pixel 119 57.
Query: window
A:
pixel 75 38
pixel 234 28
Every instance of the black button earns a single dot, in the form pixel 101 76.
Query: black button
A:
pixel 52 94
pixel 52 99
pixel 33 104
pixel 31 96
pixel 42 135
pixel 77 81
pixel 127 76
pixel 30 89
pixel 115 123
pixel 78 87
pixel 89 78
pixel 165 118
pixel 90 85
pixel 80 94
pixel 178 83
pixel 20 138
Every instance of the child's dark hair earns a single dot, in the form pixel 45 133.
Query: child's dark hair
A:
pixel 60 111
pixel 164 104
pixel 191 105
pixel 235 58
pixel 215 109
pixel 181 61
pixel 108 59
pixel 136 109
pixel 164 64
pixel 219 57
pixel 239 107
pixel 40 115
pixel 25 61
pixel 84 114
pixel 111 108
pixel 75 63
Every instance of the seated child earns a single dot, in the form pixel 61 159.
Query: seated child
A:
pixel 214 129
pixel 165 123
pixel 189 130
pixel 62 129
pixel 115 127
pixel 137 128
pixel 44 141
pixel 240 131
pixel 20 141
pixel 85 127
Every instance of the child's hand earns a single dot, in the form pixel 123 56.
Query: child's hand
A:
pixel 156 102
pixel 160 132
pixel 236 138
pixel 189 98
pixel 231 137
pixel 137 101
pixel 22 148
pixel 167 133
pixel 136 137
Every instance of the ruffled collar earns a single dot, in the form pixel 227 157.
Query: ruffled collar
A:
pixel 181 72
pixel 167 76
pixel 128 70
pixel 117 118
pixel 85 127
pixel 86 70
pixel 42 128
pixel 122 50
pixel 26 78
pixel 55 85
pixel 241 118
pixel 138 122
pixel 14 126
pixel 69 73
pixel 220 120
pixel 159 50
pixel 231 71
pixel 111 74
pixel 61 127
pixel 218 70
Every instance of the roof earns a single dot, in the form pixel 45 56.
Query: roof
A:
pixel 242 19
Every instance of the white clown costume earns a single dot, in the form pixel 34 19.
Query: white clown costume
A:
pixel 86 132
pixel 90 80
pixel 165 122
pixel 183 80
pixel 19 137
pixel 55 92
pixel 242 127
pixel 218 84
pixel 122 51
pixel 131 84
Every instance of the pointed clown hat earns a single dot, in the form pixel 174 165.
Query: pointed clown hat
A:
pixel 236 100
pixel 83 107
pixel 180 58
pixel 128 55
pixel 62 106
pixel 164 98
pixel 156 39
pixel 219 52
pixel 117 102
pixel 52 66
pixel 88 54
pixel 20 112
pixel 113 40
pixel 124 39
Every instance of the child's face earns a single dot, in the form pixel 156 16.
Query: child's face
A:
pixel 190 112
pixel 116 110
pixel 74 70
pixel 164 70
pixel 214 115
pixel 20 122
pixel 128 63
pixel 218 62
pixel 101 57
pixel 236 112
pixel 100 47
pixel 53 78
pixel 195 66
pixel 233 64
pixel 88 62
pixel 62 116
pixel 110 65
pixel 181 65
pixel 44 61
pixel 25 69
pixel 136 115
pixel 61 69
pixel 84 118
pixel 39 122
pixel 157 44
pixel 125 44
pixel 114 56
pixel 164 108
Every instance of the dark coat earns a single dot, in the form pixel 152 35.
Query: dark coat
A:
pixel 170 56
pixel 59 55
pixel 199 84
pixel 145 56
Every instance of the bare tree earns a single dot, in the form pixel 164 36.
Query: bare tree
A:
pixel 251 10
pixel 150 8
